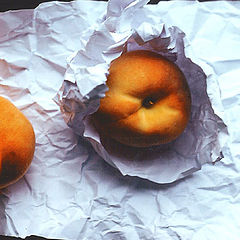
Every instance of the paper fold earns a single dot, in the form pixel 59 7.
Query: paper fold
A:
pixel 85 83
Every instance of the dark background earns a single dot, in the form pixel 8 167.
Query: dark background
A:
pixel 23 4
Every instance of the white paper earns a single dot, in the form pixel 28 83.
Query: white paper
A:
pixel 128 27
pixel 69 192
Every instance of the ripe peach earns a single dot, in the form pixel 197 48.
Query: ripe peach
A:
pixel 148 102
pixel 17 143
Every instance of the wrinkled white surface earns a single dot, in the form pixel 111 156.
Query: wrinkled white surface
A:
pixel 62 198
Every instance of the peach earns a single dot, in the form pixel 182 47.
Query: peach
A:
pixel 17 143
pixel 148 102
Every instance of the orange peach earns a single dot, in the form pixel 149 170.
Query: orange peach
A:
pixel 148 102
pixel 17 143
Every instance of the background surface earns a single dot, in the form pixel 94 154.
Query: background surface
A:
pixel 215 195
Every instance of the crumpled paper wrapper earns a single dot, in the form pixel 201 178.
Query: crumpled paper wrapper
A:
pixel 69 192
pixel 126 27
